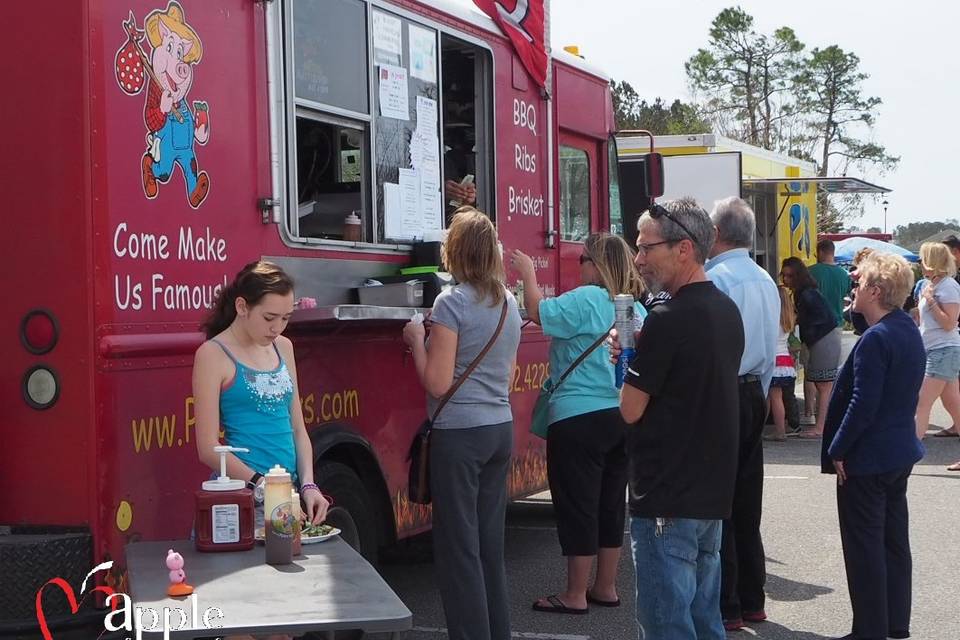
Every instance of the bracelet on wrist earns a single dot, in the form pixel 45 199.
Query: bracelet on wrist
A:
pixel 308 485
pixel 311 485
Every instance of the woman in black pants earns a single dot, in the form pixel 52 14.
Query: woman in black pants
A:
pixel 472 437
pixel 586 456
pixel 870 442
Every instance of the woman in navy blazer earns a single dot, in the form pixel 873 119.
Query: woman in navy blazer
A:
pixel 870 442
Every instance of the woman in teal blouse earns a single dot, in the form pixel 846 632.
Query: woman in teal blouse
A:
pixel 586 455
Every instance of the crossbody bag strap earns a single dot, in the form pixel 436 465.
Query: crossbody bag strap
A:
pixel 473 365
pixel 583 356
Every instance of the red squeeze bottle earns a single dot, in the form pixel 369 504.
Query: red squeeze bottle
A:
pixel 224 511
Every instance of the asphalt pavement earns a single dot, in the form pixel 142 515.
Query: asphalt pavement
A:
pixel 806 587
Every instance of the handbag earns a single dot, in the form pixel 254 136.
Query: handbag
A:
pixel 541 410
pixel 418 478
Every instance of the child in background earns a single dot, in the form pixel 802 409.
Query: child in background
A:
pixel 784 373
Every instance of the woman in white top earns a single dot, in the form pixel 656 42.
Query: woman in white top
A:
pixel 784 372
pixel 939 310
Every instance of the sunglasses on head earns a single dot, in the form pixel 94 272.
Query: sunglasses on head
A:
pixel 656 212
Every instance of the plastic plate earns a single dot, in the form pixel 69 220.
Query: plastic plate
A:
pixel 258 535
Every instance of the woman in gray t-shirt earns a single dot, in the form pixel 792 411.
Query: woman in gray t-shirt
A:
pixel 472 438
pixel 939 309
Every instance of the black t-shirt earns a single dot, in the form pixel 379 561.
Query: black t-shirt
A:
pixel 650 300
pixel 683 451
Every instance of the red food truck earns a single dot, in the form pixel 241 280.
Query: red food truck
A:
pixel 172 142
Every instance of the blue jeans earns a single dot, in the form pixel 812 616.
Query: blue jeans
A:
pixel 678 579
pixel 943 363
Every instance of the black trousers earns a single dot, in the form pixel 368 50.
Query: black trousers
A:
pixel 874 530
pixel 587 470
pixel 743 567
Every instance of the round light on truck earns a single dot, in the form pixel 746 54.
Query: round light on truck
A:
pixel 41 388
pixel 39 331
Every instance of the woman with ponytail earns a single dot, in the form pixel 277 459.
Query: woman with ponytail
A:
pixel 245 381
pixel 586 440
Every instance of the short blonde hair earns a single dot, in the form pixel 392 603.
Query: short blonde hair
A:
pixel 472 255
pixel 936 257
pixel 891 274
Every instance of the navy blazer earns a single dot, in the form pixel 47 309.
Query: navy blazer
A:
pixel 870 422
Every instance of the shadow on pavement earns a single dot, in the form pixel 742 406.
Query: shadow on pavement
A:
pixel 786 590
pixel 773 631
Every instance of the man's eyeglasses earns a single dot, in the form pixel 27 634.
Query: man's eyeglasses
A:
pixel 643 249
pixel 656 211
pixel 584 258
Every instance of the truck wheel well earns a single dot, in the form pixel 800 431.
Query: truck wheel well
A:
pixel 358 455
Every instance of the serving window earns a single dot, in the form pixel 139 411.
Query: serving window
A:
pixel 381 110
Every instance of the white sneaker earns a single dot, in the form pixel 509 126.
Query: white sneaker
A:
pixel 808 421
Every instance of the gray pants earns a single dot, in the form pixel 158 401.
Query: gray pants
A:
pixel 468 479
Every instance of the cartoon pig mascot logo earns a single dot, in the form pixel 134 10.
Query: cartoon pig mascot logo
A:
pixel 172 128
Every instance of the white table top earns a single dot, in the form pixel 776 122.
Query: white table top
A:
pixel 329 587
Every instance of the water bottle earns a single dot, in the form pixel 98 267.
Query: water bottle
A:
pixel 623 304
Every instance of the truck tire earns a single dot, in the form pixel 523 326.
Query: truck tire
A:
pixel 352 511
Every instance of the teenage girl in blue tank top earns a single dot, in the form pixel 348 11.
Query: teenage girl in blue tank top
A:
pixel 245 381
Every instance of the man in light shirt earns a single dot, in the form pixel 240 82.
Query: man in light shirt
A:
pixel 734 272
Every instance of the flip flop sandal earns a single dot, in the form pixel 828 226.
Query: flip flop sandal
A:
pixel 945 433
pixel 602 603
pixel 954 467
pixel 809 435
pixel 556 606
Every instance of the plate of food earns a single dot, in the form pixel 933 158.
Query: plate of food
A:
pixel 309 534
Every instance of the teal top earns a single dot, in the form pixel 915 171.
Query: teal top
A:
pixel 255 414
pixel 834 284
pixel 575 320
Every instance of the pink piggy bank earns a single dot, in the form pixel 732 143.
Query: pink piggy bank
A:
pixel 175 564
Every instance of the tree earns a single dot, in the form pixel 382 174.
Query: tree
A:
pixel 831 100
pixel 834 213
pixel 830 97
pixel 874 230
pixel 634 113
pixel 761 89
pixel 747 78
pixel 916 232
pixel 626 105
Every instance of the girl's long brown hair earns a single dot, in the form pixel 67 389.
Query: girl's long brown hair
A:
pixel 472 255
pixel 802 279
pixel 612 257
pixel 252 283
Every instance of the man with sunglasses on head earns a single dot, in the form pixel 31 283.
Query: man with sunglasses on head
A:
pixel 680 396
pixel 733 271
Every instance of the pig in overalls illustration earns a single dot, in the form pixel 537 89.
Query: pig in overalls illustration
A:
pixel 168 73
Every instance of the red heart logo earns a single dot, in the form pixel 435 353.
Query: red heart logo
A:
pixel 71 598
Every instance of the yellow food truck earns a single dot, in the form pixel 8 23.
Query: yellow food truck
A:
pixel 781 189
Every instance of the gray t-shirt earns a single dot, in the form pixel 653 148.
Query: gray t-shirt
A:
pixel 947 291
pixel 484 399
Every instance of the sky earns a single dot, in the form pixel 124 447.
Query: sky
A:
pixel 908 50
